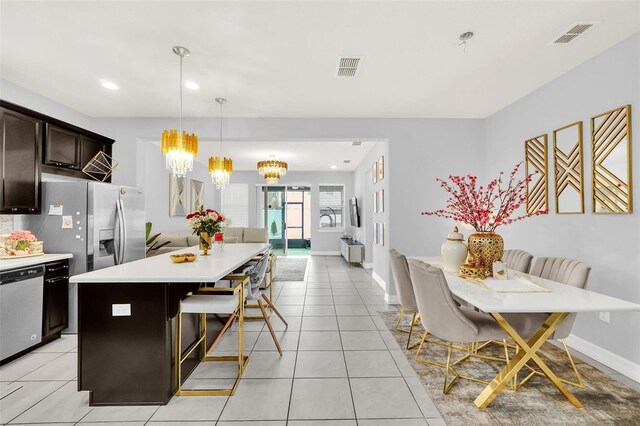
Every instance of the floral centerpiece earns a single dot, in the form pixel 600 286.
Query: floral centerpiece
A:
pixel 485 209
pixel 22 243
pixel 205 223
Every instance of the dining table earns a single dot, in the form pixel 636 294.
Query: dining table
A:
pixel 556 299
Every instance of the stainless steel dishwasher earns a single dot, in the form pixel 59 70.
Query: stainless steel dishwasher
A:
pixel 21 299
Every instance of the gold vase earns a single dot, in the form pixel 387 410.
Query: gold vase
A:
pixel 205 243
pixel 484 249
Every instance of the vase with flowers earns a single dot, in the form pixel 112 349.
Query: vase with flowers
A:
pixel 205 223
pixel 22 243
pixel 484 209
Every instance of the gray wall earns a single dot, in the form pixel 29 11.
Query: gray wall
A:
pixel 609 243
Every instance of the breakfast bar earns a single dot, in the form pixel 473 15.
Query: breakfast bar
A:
pixel 127 323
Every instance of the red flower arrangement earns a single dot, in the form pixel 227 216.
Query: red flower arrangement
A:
pixel 485 208
pixel 209 221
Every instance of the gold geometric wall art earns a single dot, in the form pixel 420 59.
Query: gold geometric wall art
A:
pixel 536 160
pixel 569 177
pixel 611 162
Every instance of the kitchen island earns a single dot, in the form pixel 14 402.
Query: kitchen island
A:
pixel 126 323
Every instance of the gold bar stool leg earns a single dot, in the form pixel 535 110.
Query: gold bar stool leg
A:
pixel 268 322
pixel 240 359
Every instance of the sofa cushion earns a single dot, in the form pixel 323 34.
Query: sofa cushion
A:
pixel 255 235
pixel 233 233
pixel 193 240
pixel 177 239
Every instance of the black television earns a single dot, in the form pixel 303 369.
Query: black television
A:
pixel 354 214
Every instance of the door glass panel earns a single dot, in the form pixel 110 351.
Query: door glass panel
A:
pixel 276 216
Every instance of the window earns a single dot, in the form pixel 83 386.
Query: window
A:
pixel 235 204
pixel 331 206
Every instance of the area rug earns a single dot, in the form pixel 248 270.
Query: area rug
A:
pixel 538 402
pixel 291 268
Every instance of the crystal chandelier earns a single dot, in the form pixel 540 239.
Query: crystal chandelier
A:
pixel 272 170
pixel 179 147
pixel 220 168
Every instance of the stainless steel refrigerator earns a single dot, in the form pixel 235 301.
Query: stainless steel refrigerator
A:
pixel 101 224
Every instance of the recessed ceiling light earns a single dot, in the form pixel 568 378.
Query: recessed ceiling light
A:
pixel 334 166
pixel 191 85
pixel 109 85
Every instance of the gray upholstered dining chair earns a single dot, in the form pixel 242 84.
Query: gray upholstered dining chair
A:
pixel 404 289
pixel 567 271
pixel 517 260
pixel 446 320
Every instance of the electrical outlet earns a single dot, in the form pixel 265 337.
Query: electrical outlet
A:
pixel 121 310
pixel 605 317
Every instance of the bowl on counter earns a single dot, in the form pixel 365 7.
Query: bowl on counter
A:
pixel 183 257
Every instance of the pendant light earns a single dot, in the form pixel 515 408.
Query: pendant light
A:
pixel 179 147
pixel 272 170
pixel 220 167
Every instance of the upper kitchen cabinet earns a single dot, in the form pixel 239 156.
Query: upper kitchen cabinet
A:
pixel 62 148
pixel 33 143
pixel 20 162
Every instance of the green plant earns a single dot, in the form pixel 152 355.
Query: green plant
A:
pixel 274 228
pixel 152 244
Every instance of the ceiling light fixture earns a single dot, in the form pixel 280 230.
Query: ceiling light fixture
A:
pixel 220 167
pixel 109 85
pixel 333 166
pixel 179 147
pixel 191 85
pixel 272 170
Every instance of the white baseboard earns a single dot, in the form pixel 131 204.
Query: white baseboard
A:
pixel 391 299
pixel 368 265
pixel 324 253
pixel 379 280
pixel 611 360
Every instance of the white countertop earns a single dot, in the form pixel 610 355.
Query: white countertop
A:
pixel 160 269
pixel 562 298
pixel 6 264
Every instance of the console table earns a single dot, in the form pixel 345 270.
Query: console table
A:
pixel 352 251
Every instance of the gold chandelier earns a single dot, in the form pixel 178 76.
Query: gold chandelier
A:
pixel 272 170
pixel 179 147
pixel 220 168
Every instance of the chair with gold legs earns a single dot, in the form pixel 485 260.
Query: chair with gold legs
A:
pixel 446 320
pixel 256 271
pixel 567 271
pixel 517 261
pixel 212 300
pixel 404 289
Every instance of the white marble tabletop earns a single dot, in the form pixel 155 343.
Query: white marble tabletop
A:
pixel 160 269
pixel 561 298
pixel 6 264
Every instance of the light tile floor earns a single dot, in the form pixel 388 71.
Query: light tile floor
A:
pixel 340 367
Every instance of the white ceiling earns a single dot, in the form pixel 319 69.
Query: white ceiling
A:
pixel 278 59
pixel 300 155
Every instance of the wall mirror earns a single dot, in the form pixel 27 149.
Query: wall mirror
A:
pixel 569 177
pixel 536 161
pixel 611 161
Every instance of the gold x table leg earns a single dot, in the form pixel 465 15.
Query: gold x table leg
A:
pixel 527 352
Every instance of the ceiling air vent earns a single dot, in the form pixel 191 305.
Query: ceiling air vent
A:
pixel 347 161
pixel 348 66
pixel 574 31
pixel 356 143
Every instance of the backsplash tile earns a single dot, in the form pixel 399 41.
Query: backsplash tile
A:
pixel 6 224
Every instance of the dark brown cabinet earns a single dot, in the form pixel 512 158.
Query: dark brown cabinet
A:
pixel 62 148
pixel 20 162
pixel 32 143
pixel 56 298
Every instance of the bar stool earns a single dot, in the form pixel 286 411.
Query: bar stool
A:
pixel 225 301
